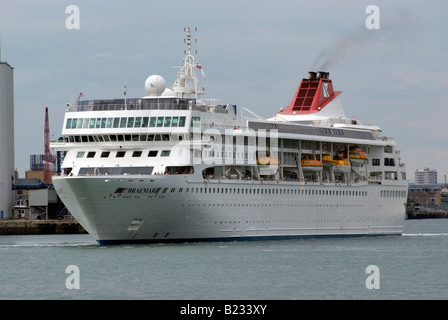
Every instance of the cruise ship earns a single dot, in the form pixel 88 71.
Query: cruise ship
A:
pixel 173 166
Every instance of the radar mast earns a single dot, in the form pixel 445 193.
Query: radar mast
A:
pixel 187 82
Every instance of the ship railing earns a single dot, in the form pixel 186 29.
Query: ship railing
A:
pixel 374 179
pixel 287 180
pixel 384 138
pixel 121 106
pixel 212 108
pixel 145 171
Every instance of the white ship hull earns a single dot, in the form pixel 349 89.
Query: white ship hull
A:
pixel 142 212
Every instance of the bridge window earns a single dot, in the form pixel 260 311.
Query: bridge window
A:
pixel 167 122
pixel 181 121
pixel 195 121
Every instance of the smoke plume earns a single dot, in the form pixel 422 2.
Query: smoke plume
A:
pixel 393 34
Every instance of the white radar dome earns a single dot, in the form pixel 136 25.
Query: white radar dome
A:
pixel 168 93
pixel 155 85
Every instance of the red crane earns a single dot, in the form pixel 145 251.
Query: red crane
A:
pixel 47 179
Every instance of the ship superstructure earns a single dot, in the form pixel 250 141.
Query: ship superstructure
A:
pixel 172 166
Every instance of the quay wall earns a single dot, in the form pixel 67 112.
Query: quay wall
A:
pixel 25 227
pixel 440 214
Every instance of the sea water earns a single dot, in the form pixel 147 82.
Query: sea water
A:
pixel 412 266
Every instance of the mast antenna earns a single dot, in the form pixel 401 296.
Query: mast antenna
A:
pixel 189 39
pixel 187 82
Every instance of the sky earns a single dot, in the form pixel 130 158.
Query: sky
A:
pixel 253 52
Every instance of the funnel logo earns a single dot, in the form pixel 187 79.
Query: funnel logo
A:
pixel 325 87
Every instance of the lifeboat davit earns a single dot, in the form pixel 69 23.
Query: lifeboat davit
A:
pixel 311 165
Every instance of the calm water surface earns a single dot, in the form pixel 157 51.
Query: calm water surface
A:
pixel 412 266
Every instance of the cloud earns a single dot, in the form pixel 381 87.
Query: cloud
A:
pixel 31 75
pixel 254 55
pixel 103 55
pixel 135 56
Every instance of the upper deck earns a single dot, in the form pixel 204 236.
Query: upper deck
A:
pixel 157 103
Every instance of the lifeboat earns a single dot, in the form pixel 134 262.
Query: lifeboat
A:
pixel 267 161
pixel 342 166
pixel 357 157
pixel 311 165
pixel 327 160
pixel 268 165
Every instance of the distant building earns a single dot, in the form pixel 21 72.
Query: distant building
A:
pixel 23 189
pixel 426 176
pixel 425 193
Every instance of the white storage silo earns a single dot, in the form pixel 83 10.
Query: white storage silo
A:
pixel 6 139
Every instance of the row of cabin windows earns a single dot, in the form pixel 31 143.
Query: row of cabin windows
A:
pixel 393 194
pixel 124 122
pixel 286 191
pixel 120 137
pixel 121 154
pixel 269 191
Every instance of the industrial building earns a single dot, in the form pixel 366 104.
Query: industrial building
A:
pixel 33 198
pixel 6 139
